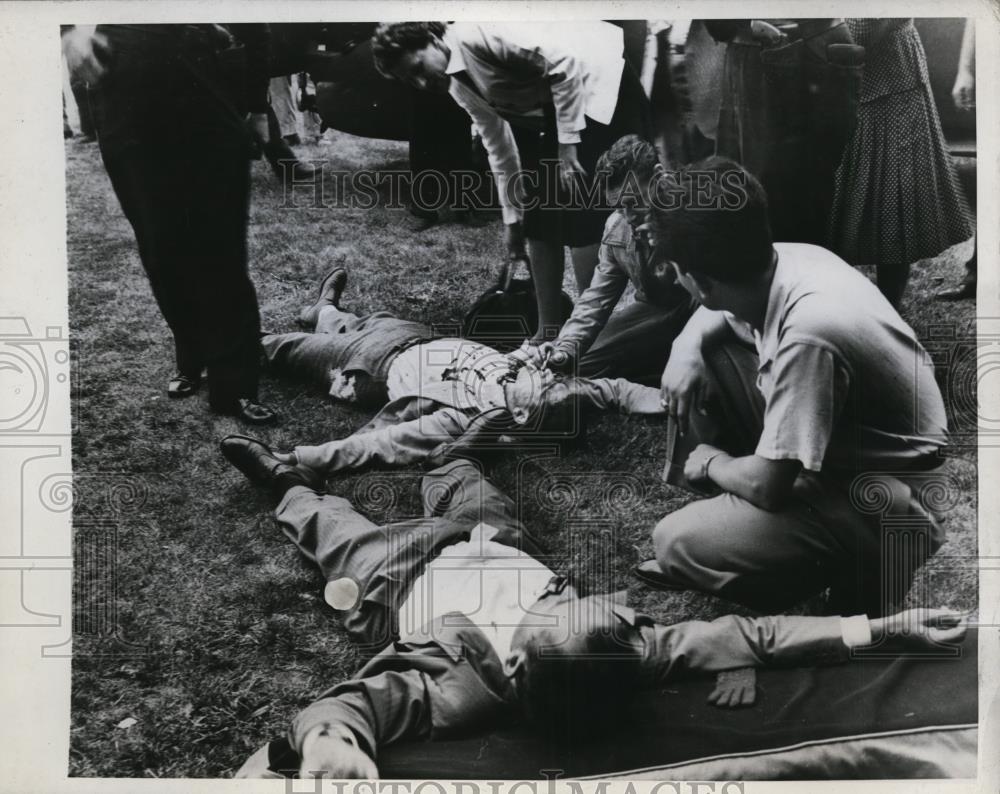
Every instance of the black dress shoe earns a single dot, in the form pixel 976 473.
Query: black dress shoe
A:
pixel 181 386
pixel 249 411
pixel 259 465
pixel 331 288
pixel 650 573
pixel 964 291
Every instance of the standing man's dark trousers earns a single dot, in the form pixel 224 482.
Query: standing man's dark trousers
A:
pixel 81 95
pixel 863 536
pixel 177 152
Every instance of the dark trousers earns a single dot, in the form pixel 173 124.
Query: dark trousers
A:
pixel 380 563
pixel 787 113
pixel 177 152
pixel 356 350
pixel 635 343
pixel 82 97
pixel 440 144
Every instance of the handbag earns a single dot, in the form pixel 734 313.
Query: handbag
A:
pixel 507 313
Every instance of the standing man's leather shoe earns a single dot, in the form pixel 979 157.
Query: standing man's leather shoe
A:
pixel 259 465
pixel 330 290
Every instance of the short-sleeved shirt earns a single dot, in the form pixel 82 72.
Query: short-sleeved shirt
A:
pixel 847 386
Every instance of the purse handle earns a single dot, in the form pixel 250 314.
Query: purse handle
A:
pixel 506 276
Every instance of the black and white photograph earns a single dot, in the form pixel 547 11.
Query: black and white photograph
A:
pixel 523 396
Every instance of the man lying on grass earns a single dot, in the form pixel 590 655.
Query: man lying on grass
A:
pixel 439 394
pixel 477 631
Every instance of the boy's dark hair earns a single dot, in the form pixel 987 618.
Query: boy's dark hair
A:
pixel 629 154
pixel 393 40
pixel 572 695
pixel 711 219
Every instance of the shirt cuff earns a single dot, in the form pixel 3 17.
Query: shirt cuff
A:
pixel 856 631
pixel 569 136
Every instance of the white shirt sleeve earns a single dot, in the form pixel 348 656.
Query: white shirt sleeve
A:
pixel 804 388
pixel 856 631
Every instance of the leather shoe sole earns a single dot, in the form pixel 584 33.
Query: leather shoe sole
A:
pixel 650 573
pixel 330 289
pixel 257 462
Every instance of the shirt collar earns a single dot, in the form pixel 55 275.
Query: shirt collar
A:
pixel 456 63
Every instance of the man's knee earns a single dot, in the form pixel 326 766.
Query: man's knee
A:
pixel 449 484
pixel 675 541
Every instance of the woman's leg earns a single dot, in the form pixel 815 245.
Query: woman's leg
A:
pixel 584 263
pixel 547 271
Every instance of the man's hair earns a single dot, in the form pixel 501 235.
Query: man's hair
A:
pixel 629 154
pixel 392 41
pixel 711 219
pixel 568 694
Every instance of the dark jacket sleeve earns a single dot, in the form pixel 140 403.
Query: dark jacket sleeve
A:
pixel 379 710
pixel 594 306
pixel 732 642
pixel 449 682
pixel 617 394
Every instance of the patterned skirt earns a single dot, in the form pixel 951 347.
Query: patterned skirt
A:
pixel 897 196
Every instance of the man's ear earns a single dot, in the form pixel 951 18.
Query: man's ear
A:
pixel 513 665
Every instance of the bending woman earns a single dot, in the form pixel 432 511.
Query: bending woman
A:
pixel 568 96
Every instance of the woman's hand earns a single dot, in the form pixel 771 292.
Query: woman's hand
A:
pixel 645 243
pixel 964 92
pixel 569 165
pixel 332 751
pixel 513 239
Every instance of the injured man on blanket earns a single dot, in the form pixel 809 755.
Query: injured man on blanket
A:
pixel 438 394
pixel 473 631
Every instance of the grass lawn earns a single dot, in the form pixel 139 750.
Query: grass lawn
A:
pixel 235 634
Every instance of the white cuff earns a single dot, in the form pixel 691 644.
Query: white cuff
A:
pixel 856 631
pixel 569 136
